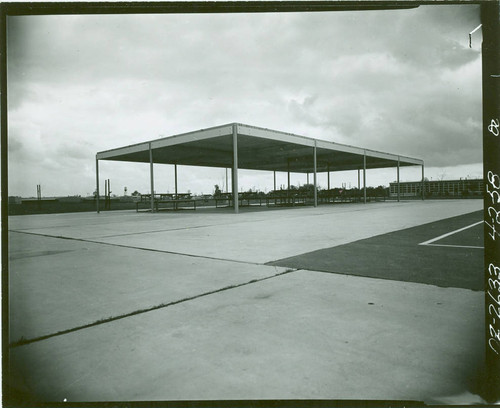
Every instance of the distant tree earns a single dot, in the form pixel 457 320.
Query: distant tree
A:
pixel 307 190
pixel 381 191
pixel 135 193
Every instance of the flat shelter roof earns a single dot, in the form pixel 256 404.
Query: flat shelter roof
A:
pixel 258 149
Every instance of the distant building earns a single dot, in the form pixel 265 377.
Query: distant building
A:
pixel 438 188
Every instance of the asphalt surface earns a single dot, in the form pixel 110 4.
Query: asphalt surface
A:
pixel 398 255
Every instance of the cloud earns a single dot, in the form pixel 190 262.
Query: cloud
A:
pixel 400 81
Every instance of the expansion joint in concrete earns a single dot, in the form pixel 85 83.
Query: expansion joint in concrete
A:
pixel 23 341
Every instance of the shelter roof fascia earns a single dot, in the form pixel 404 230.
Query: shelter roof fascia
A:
pixel 166 141
pixel 201 134
pixel 135 148
pixel 258 132
pixel 275 135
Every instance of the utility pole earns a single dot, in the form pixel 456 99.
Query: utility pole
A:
pixel 39 195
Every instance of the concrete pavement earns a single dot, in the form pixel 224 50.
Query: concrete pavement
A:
pixel 79 283
pixel 228 326
pixel 300 335
pixel 251 237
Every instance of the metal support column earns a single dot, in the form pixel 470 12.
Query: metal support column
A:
pixel 364 177
pixel 328 177
pixel 423 182
pixel 151 176
pixel 274 173
pixel 288 175
pixel 234 175
pixel 398 180
pixel 175 175
pixel 227 186
pixel 359 182
pixel 315 177
pixel 490 19
pixel 97 183
pixel 307 177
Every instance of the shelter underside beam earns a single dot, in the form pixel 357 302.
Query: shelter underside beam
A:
pixel 297 164
pixel 195 156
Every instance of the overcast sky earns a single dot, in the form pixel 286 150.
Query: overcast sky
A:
pixel 401 81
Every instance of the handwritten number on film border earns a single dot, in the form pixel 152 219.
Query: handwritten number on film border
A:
pixel 494 284
pixel 493 127
pixel 494 180
pixel 495 337
pixel 493 281
pixel 496 217
pixel 493 229
pixel 492 193
pixel 493 270
pixel 497 300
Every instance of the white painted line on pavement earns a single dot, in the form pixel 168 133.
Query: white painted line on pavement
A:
pixel 454 246
pixel 450 233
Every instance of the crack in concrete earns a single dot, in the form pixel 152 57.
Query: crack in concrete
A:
pixel 139 248
pixel 23 341
pixel 156 231
pixel 14 255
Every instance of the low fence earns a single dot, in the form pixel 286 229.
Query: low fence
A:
pixel 57 206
